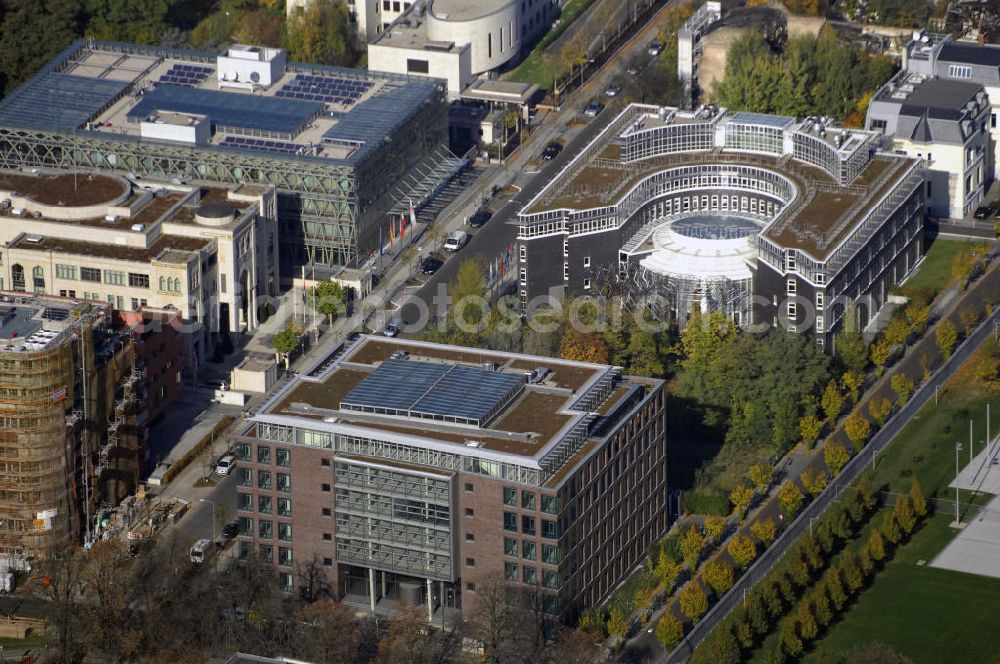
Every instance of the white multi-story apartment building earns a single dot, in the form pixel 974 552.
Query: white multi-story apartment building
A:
pixel 945 122
pixel 947 59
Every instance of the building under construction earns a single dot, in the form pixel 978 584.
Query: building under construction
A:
pixel 69 392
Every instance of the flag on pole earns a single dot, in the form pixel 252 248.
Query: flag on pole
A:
pixel 392 236
pixel 402 228
pixel 413 214
pixel 380 242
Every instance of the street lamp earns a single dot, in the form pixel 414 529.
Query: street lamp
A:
pixel 958 448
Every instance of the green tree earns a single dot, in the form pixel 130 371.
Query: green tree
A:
pixel 140 21
pixel 724 647
pixel 880 408
pixel 582 346
pixel 850 571
pixel 917 498
pixel 810 427
pixel 669 630
pixel 742 550
pixel 718 575
pixel 905 515
pixel 853 382
pixel 852 351
pixel 789 638
pixel 691 547
pixel 947 337
pixel 968 316
pixel 287 340
pixel 693 601
pixel 741 496
pixel 857 427
pixel 617 623
pixel 880 352
pixel 761 474
pixel 714 527
pixel 790 498
pixel 834 589
pixel 32 33
pixel 917 311
pixel 866 493
pixel 757 614
pixel 321 34
pixel 832 401
pixel 806 620
pixel 328 298
pixel 666 570
pixel 889 527
pixel 764 530
pixel 814 481
pixel 903 386
pixel 896 331
pixel 836 457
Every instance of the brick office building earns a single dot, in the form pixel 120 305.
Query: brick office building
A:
pixel 411 472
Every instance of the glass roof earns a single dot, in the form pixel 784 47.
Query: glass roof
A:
pixel 228 109
pixel 61 102
pixel 777 121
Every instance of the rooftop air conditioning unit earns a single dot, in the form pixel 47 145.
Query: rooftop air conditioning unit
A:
pixel 110 218
pixel 4 204
pixel 17 211
pixel 138 228
pixel 34 239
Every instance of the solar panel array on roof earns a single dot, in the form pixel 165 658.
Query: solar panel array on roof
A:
pixel 442 392
pixel 187 75
pixel 262 145
pixel 324 88
pixel 60 102
pixel 229 109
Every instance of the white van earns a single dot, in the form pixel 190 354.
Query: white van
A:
pixel 456 240
pixel 6 583
pixel 225 464
pixel 199 551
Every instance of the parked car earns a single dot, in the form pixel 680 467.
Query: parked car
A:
pixel 431 265
pixel 613 90
pixel 455 240
pixel 225 464
pixel 480 217
pixel 393 327
pixel 199 551
pixel 399 355
pixel 593 109
pixel 985 211
pixel 230 531
pixel 655 48
pixel 551 151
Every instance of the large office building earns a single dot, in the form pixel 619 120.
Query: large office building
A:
pixel 209 253
pixel 413 473
pixel 344 148
pixel 773 221
pixel 459 40
pixel 945 122
pixel 70 395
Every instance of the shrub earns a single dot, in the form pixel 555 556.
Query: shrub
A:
pixel 703 503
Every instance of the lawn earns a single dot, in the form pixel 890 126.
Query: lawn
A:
pixel 542 70
pixel 930 615
pixel 935 273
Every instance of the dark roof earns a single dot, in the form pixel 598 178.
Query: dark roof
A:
pixel 431 390
pixel 228 109
pixel 941 94
pixel 973 54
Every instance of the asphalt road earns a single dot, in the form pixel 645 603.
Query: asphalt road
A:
pixel 487 242
pixel 197 523
pixel 851 472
